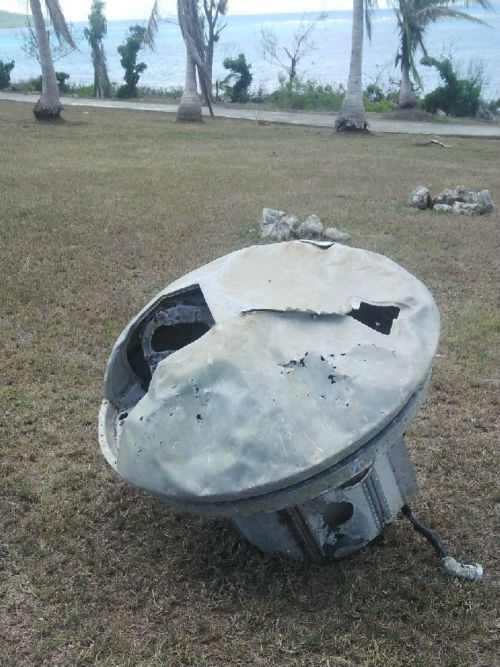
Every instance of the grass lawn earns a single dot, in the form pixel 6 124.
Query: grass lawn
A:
pixel 100 212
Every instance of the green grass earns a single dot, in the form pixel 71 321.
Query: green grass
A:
pixel 100 212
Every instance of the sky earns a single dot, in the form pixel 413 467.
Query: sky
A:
pixel 78 10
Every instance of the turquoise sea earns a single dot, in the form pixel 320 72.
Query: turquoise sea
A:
pixel 468 43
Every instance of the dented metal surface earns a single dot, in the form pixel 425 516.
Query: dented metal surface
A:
pixel 267 377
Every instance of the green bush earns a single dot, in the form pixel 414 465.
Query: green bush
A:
pixel 379 99
pixel 240 75
pixel 173 93
pixel 299 94
pixel 35 83
pixel 458 97
pixel 494 107
pixel 128 61
pixel 82 90
pixel 382 106
pixel 5 70
pixel 62 77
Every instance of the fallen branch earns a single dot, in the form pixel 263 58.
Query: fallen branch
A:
pixel 435 141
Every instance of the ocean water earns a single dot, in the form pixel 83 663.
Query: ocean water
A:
pixel 468 43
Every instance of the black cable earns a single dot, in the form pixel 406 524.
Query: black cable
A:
pixel 426 532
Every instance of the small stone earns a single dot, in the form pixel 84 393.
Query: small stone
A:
pixel 419 197
pixel 312 228
pixel 484 201
pixel 463 208
pixel 280 231
pixel 442 208
pixel 291 220
pixel 446 196
pixel 334 234
pixel 270 216
pixel 465 194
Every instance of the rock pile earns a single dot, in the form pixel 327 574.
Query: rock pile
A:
pixel 282 226
pixel 461 200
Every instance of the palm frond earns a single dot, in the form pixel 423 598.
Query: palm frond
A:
pixel 59 22
pixel 370 5
pixel 413 68
pixel 431 14
pixel 485 4
pixel 152 27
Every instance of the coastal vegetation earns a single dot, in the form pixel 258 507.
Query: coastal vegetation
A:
pixel 202 23
pixel 5 70
pixel 128 60
pixel 237 82
pixel 95 572
pixel 413 19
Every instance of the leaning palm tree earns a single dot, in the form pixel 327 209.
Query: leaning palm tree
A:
pixel 352 113
pixel 191 25
pixel 94 35
pixel 49 106
pixel 413 17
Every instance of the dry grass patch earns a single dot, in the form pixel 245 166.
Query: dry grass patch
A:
pixel 99 213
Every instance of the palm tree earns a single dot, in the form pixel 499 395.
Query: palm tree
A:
pixel 352 114
pixel 191 25
pixel 48 106
pixel 94 35
pixel 413 17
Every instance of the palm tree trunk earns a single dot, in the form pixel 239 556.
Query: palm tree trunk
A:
pixel 48 106
pixel 189 106
pixel 407 98
pixel 352 114
pixel 103 87
pixel 209 66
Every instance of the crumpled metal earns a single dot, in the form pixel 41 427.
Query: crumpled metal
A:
pixel 285 384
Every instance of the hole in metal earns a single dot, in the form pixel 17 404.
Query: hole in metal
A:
pixel 177 336
pixel 176 321
pixel 338 513
pixel 378 318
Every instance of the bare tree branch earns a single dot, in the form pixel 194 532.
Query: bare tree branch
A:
pixel 294 52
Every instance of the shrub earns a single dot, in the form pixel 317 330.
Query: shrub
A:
pixel 458 97
pixel 299 94
pixel 5 70
pixel 82 90
pixel 173 93
pixel 35 83
pixel 62 77
pixel 382 106
pixel 380 99
pixel 494 107
pixel 242 77
pixel 128 61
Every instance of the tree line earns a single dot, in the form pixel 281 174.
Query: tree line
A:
pixel 201 23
